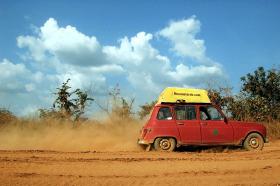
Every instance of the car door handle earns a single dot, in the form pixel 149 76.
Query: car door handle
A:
pixel 180 123
pixel 203 124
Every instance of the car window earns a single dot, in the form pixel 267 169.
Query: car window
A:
pixel 210 113
pixel 185 113
pixel 214 113
pixel 180 113
pixel 164 113
pixel 191 113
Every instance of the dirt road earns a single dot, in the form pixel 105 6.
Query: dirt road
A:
pixel 233 167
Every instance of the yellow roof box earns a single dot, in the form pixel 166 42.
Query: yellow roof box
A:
pixel 183 95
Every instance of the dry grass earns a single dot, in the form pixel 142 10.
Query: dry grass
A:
pixel 273 130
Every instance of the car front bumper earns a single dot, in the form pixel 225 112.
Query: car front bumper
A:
pixel 143 142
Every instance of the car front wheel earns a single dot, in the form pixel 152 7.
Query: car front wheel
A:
pixel 165 144
pixel 253 141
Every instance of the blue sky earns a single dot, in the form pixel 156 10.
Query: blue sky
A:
pixel 142 45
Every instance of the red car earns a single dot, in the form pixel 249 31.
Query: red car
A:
pixel 173 125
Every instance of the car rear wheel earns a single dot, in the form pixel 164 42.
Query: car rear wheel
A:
pixel 165 144
pixel 253 141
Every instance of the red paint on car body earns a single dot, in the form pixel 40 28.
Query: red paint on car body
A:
pixel 197 128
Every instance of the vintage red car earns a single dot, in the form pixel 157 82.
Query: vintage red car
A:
pixel 173 125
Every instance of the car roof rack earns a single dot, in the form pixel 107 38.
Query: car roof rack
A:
pixel 177 95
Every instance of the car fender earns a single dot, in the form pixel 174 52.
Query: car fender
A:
pixel 157 132
pixel 250 132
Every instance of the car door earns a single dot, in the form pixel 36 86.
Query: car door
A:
pixel 164 123
pixel 188 124
pixel 214 129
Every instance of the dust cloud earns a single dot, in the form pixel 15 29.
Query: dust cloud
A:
pixel 57 136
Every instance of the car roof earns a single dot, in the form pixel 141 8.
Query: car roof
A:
pixel 181 104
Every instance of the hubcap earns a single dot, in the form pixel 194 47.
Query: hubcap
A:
pixel 165 144
pixel 254 142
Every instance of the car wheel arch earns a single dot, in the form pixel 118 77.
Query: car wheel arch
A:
pixel 251 132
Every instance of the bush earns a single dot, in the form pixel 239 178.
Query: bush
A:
pixel 6 116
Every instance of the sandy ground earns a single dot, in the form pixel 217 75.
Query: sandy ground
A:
pixel 230 167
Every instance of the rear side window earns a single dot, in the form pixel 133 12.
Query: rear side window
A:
pixel 185 112
pixel 164 113
pixel 191 113
pixel 180 113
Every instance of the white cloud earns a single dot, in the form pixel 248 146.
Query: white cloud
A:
pixel 29 87
pixel 12 76
pixel 70 45
pixel 134 51
pixel 149 72
pixel 195 75
pixel 144 64
pixel 144 82
pixel 60 53
pixel 182 35
pixel 9 69
pixel 56 53
pixel 66 43
pixel 35 46
pixel 21 87
pixel 115 69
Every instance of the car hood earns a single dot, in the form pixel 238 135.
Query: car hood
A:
pixel 246 124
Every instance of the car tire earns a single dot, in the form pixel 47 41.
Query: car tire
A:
pixel 253 141
pixel 165 144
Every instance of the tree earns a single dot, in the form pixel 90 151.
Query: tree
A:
pixel 146 109
pixel 263 84
pixel 261 90
pixel 67 104
pixel 121 107
pixel 257 100
pixel 222 96
pixel 118 107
